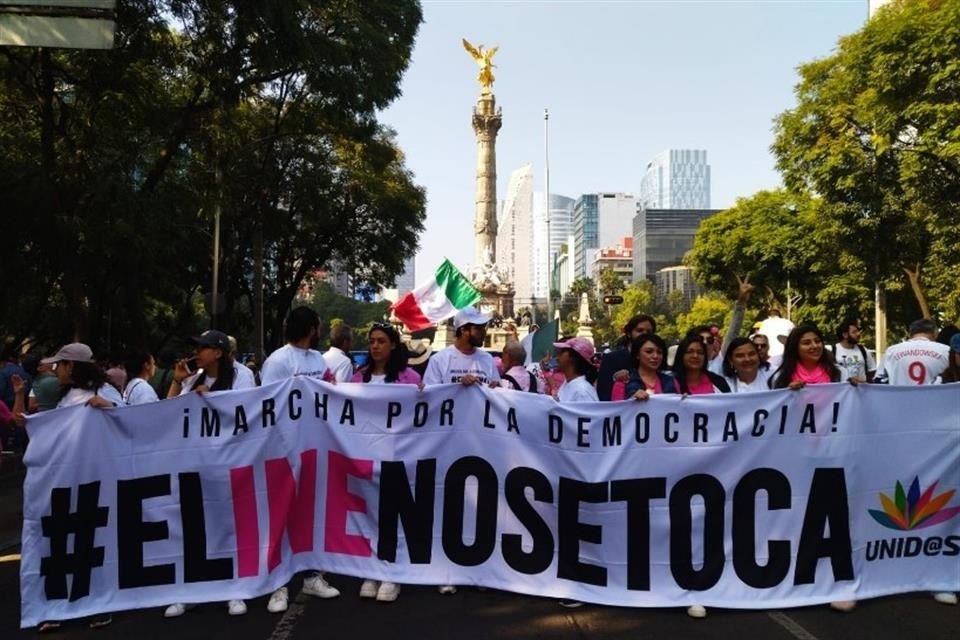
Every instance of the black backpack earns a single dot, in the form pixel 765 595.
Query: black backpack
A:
pixel 516 385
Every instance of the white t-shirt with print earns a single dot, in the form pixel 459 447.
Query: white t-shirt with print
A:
pixel 850 362
pixel 139 391
pixel 577 390
pixel 81 396
pixel 240 381
pixel 289 361
pixel 451 365
pixel 340 364
pixel 916 361
pixel 760 383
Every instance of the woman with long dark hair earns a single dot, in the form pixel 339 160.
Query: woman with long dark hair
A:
pixel 690 369
pixel 386 364
pixel 742 368
pixel 805 361
pixel 650 375
pixel 140 367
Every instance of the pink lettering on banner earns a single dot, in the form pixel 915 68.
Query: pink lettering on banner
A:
pixel 340 501
pixel 245 521
pixel 292 505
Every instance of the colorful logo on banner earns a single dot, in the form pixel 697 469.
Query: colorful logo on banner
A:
pixel 911 510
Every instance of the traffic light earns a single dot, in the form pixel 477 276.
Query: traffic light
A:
pixel 612 299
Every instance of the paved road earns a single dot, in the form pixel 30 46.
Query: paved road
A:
pixel 423 614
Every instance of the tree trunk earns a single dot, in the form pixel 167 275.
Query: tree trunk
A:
pixel 913 275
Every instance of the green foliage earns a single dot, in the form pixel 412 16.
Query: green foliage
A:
pixel 610 282
pixel 706 310
pixel 637 298
pixel 335 309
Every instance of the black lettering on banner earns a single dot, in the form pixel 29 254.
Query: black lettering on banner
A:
pixel 83 524
pixel 637 493
pixel 777 488
pixel 393 411
pixel 555 433
pixel 486 416
pixel 572 531
pixel 320 405
pixel 446 412
pixel 730 427
pixel 758 425
pixel 641 428
pixel 186 422
pixel 133 532
pixel 583 432
pixel 668 435
pixel 512 421
pixel 240 420
pixel 197 567
pixel 951 546
pixel 347 414
pixel 809 420
pixel 783 418
pixel 420 412
pixel 826 507
pixel 612 432
pixel 268 415
pixel 209 423
pixel 414 512
pixel 541 553
pixel 681 531
pixel 454 504
pixel 293 404
pixel 700 427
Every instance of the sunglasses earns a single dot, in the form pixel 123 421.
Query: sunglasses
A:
pixel 709 339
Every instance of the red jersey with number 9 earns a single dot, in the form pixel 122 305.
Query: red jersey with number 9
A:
pixel 916 361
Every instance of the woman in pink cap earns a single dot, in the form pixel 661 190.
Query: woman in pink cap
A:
pixel 574 361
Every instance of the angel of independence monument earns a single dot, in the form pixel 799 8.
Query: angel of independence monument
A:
pixel 487 119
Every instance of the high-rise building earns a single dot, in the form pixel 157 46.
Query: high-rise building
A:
pixel 515 256
pixel 600 220
pixel 677 179
pixel 678 278
pixel 561 224
pixel 618 258
pixel 662 236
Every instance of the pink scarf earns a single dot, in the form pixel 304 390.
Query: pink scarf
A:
pixel 817 375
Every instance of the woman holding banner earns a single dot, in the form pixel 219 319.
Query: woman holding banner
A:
pixel 690 369
pixel 650 375
pixel 741 367
pixel 386 364
pixel 805 361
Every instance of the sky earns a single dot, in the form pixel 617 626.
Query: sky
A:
pixel 622 81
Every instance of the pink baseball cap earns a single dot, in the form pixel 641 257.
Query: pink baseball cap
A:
pixel 581 345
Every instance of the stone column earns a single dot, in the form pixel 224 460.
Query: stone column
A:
pixel 486 124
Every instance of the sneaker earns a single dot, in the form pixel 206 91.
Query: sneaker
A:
pixel 317 587
pixel 236 608
pixel 845 606
pixel 697 611
pixel 569 604
pixel 99 621
pixel 447 590
pixel 175 610
pixel 388 592
pixel 279 601
pixel 369 589
pixel 945 597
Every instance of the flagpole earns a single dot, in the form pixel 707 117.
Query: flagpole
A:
pixel 546 208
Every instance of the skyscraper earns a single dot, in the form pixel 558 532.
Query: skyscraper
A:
pixel 515 236
pixel 600 220
pixel 661 237
pixel 677 179
pixel 561 225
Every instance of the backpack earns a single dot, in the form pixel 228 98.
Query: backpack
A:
pixel 516 385
pixel 863 353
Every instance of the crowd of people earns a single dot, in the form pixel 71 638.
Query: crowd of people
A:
pixel 776 355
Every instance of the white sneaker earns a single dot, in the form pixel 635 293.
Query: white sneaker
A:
pixel 369 589
pixel 447 590
pixel 237 607
pixel 697 611
pixel 279 601
pixel 388 592
pixel 175 610
pixel 945 597
pixel 317 587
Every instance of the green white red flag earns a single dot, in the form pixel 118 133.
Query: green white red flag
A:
pixel 436 300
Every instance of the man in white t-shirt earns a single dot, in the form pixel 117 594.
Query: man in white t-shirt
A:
pixel 298 358
pixel 918 360
pixel 854 360
pixel 464 361
pixel 341 341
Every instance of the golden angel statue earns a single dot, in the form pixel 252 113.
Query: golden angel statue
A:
pixel 484 58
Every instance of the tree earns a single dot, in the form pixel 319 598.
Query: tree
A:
pixel 876 133
pixel 706 310
pixel 610 282
pixel 637 298
pixel 581 286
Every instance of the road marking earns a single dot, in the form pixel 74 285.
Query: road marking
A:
pixel 284 628
pixel 791 625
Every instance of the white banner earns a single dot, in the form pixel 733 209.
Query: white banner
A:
pixel 762 500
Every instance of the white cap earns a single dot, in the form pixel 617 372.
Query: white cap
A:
pixel 75 352
pixel 470 315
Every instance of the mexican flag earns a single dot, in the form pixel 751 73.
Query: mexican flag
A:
pixel 436 300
